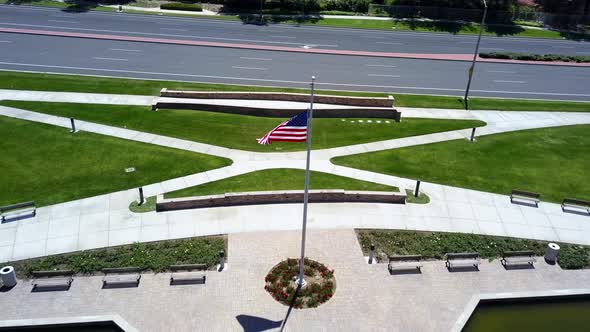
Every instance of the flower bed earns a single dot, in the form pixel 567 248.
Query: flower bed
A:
pixel 281 283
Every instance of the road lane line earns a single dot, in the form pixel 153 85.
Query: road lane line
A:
pixel 389 43
pixel 383 75
pixel 62 21
pixel 387 66
pixel 110 59
pixel 562 46
pixel 280 81
pixel 174 29
pixel 124 50
pixel 5 41
pixel 515 82
pixel 249 68
pixel 256 59
pixel 280 36
pixel 492 48
pixel 502 71
pixel 166 35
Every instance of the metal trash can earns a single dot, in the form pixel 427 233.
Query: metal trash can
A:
pixel 552 252
pixel 8 276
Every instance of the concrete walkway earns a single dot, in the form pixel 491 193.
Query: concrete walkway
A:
pixel 106 221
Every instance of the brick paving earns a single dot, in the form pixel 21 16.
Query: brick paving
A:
pixel 367 297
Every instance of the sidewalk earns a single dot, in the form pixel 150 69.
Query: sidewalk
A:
pixel 106 220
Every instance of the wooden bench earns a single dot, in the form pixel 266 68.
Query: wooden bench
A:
pixel 188 274
pixel 405 262
pixel 575 204
pixel 518 257
pixel 121 276
pixel 525 196
pixel 463 259
pixel 58 279
pixel 19 209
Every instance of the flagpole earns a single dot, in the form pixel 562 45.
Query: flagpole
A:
pixel 300 280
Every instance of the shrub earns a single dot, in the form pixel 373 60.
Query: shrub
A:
pixel 280 284
pixel 156 257
pixel 182 6
pixel 357 6
pixel 535 57
pixel 435 245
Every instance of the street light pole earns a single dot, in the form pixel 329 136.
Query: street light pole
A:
pixel 472 68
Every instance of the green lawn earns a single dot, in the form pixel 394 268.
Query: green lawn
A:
pixel 49 165
pixel 240 131
pixel 551 161
pixel 74 83
pixel 278 179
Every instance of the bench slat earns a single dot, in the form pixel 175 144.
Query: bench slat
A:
pixel 187 277
pixel 188 267
pixel 52 282
pixel 121 278
pixel 17 206
pixel 129 269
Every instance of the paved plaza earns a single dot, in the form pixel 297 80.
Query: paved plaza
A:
pixel 367 297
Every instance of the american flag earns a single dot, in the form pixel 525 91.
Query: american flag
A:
pixel 293 130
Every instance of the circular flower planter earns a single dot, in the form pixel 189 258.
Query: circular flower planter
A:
pixel 281 283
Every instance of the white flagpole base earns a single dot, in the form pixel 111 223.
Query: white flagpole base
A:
pixel 301 283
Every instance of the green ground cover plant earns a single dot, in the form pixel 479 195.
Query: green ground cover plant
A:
pixel 49 165
pixel 77 83
pixel 155 256
pixel 551 161
pixel 535 57
pixel 240 131
pixel 434 245
pixel 278 179
pixel 194 7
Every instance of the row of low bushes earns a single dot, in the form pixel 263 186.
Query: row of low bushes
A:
pixel 193 7
pixel 156 257
pixel 435 245
pixel 535 57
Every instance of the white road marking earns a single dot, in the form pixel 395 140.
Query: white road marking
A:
pixel 280 36
pixel 582 52
pixel 251 68
pixel 124 50
pixel 5 41
pixel 562 46
pixel 173 29
pixel 166 35
pixel 389 43
pixel 492 48
pixel 305 83
pixel 383 75
pixel 110 59
pixel 516 82
pixel 256 59
pixel 388 66
pixel 502 71
pixel 62 21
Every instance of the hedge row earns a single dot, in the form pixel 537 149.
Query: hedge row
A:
pixel 435 245
pixel 535 57
pixel 193 7
pixel 156 257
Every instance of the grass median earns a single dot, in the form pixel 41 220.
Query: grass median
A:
pixel 240 131
pixel 551 161
pixel 278 179
pixel 49 165
pixel 75 83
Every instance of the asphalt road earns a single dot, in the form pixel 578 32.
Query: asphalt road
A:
pixel 271 68
pixel 278 35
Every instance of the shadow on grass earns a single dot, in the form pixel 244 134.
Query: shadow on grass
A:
pixel 80 6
